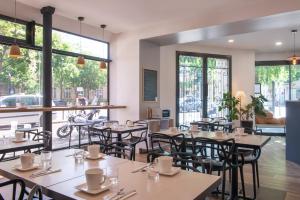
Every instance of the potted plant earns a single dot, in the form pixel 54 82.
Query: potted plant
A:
pixel 230 103
pixel 246 114
pixel 255 107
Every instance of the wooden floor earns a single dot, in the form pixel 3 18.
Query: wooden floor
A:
pixel 279 179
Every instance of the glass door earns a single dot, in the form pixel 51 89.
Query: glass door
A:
pixel 202 79
pixel 189 90
pixel 218 84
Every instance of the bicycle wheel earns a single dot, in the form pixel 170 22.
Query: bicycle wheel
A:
pixel 64 131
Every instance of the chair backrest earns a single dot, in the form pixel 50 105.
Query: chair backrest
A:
pixel 15 182
pixel 45 137
pixel 167 142
pixel 211 149
pixel 36 190
pixel 104 135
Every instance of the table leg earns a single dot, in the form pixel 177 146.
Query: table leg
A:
pixel 234 176
pixel 79 136
pixel 119 140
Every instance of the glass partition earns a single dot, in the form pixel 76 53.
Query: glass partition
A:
pixel 274 82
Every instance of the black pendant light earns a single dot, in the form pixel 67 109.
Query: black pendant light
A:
pixel 80 59
pixel 102 63
pixel 294 59
pixel 14 51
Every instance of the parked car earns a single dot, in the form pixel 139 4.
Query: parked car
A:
pixel 190 104
pixel 59 102
pixel 33 118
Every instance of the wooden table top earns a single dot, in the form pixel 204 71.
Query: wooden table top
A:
pixel 7 145
pixel 123 128
pixel 185 185
pixel 243 141
pixel 60 160
pixel 61 185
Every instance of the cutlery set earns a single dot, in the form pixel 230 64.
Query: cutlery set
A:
pixel 44 172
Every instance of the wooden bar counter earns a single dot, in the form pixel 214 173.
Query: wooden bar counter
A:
pixel 45 109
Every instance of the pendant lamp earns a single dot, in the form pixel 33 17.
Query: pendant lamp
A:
pixel 80 59
pixel 102 63
pixel 14 51
pixel 294 59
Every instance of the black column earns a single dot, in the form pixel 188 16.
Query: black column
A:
pixel 47 67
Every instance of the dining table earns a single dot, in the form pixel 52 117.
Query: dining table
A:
pixel 121 130
pixel 241 141
pixel 9 145
pixel 62 185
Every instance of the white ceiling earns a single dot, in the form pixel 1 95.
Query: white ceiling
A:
pixel 261 42
pixel 127 15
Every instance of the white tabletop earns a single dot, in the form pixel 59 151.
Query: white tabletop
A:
pixel 60 160
pixel 185 185
pixel 245 140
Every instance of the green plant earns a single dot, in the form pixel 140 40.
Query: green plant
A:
pixel 235 111
pixel 255 107
pixel 230 104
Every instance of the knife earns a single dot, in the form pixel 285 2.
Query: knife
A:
pixel 46 173
pixel 139 169
pixel 126 195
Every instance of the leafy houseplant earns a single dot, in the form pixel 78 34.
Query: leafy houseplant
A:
pixel 230 103
pixel 246 114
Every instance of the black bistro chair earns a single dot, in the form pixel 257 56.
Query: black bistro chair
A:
pixel 14 183
pixel 108 143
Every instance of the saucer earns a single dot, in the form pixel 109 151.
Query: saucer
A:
pixel 19 167
pixel 174 170
pixel 105 186
pixel 18 141
pixel 100 155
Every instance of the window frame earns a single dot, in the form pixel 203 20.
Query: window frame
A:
pixel 205 57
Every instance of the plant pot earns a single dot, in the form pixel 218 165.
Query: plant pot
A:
pixel 248 125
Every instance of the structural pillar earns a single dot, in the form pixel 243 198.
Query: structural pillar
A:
pixel 47 13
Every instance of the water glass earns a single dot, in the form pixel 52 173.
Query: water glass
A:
pixel 113 174
pixel 79 156
pixel 46 159
pixel 152 172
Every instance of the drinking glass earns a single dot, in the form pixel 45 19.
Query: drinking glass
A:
pixel 113 174
pixel 46 159
pixel 152 170
pixel 79 156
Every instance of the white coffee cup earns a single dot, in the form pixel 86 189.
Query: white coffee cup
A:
pixel 194 127
pixel 219 133
pixel 164 164
pixel 19 136
pixel 94 150
pixel 94 178
pixel 173 129
pixel 130 123
pixel 27 160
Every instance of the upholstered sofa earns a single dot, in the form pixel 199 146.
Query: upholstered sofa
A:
pixel 269 121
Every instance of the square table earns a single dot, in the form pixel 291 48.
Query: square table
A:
pixel 247 141
pixel 185 185
pixel 8 146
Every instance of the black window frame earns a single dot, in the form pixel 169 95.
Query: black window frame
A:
pixel 204 56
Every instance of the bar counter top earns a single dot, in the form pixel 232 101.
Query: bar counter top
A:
pixel 56 108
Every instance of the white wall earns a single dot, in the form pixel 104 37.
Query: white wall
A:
pixel 243 71
pixel 149 59
pixel 273 56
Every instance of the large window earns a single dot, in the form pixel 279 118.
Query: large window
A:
pixel 274 80
pixel 202 79
pixel 21 79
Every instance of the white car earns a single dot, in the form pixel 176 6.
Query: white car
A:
pixel 22 117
